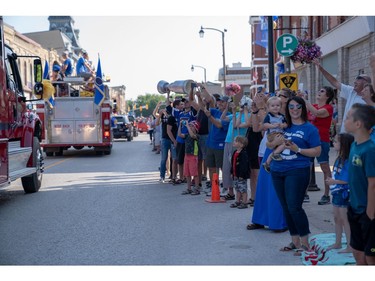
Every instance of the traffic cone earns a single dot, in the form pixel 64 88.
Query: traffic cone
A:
pixel 215 191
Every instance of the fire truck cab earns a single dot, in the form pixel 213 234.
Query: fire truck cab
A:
pixel 20 128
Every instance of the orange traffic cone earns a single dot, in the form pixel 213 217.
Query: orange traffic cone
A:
pixel 215 191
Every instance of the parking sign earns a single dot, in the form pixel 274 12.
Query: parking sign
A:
pixel 286 44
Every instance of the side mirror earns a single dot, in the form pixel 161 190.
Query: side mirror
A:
pixel 38 73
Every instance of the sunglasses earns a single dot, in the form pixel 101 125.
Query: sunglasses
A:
pixel 322 91
pixel 292 106
pixel 283 96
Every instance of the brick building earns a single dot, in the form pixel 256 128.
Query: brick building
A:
pixel 346 43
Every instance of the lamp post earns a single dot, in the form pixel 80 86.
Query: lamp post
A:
pixel 201 34
pixel 204 69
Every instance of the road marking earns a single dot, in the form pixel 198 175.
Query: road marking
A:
pixel 57 163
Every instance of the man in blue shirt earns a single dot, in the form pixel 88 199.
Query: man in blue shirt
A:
pixel 84 69
pixel 67 67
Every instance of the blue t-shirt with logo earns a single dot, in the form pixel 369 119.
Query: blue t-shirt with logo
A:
pixel 361 167
pixel 305 135
pixel 216 136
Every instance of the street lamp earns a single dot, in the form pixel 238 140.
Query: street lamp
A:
pixel 204 69
pixel 201 34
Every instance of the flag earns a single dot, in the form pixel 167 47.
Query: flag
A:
pixel 99 87
pixel 46 71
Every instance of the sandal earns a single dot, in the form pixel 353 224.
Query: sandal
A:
pixel 254 226
pixel 188 191
pixel 251 202
pixel 229 197
pixel 242 206
pixel 178 181
pixel 235 204
pixel 298 252
pixel 290 247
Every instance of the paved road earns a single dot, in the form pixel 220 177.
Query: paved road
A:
pixel 111 210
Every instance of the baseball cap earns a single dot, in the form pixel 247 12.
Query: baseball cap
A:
pixel 364 77
pixel 195 124
pixel 223 98
pixel 217 96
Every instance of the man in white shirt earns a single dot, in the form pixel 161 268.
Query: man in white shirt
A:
pixel 351 94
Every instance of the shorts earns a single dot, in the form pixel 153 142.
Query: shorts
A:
pixel 202 149
pixel 86 75
pixel 362 237
pixel 214 158
pixel 340 198
pixel 157 138
pixel 324 155
pixel 254 139
pixel 173 151
pixel 191 165
pixel 240 185
pixel 180 150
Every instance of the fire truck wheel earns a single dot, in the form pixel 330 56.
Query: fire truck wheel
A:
pixel 49 153
pixel 33 182
pixel 60 152
pixel 108 151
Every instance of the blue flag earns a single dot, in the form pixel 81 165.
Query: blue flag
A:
pixel 99 87
pixel 46 71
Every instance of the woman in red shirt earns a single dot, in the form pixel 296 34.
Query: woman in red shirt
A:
pixel 320 115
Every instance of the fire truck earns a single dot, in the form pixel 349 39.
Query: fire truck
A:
pixel 76 120
pixel 20 128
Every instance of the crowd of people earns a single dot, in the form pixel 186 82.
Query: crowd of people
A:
pixel 272 141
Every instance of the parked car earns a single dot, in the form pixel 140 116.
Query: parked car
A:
pixel 142 126
pixel 122 127
pixel 134 124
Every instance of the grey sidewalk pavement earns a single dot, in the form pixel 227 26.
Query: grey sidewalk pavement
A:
pixel 320 216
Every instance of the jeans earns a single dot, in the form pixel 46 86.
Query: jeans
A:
pixel 166 145
pixel 290 187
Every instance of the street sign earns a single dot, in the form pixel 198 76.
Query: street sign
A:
pixel 286 44
pixel 289 80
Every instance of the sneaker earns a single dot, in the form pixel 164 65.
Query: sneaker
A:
pixel 306 199
pixel 229 197
pixel 276 157
pixel 324 200
pixel 195 192
pixel 161 180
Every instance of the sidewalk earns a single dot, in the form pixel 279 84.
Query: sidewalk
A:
pixel 320 216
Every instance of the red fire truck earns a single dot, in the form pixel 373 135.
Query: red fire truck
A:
pixel 20 129
pixel 76 120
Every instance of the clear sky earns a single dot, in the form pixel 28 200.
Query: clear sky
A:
pixel 147 41
pixel 139 51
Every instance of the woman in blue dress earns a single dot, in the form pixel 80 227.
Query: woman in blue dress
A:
pixel 267 208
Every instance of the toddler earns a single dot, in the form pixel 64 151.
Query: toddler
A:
pixel 274 123
pixel 191 157
pixel 240 171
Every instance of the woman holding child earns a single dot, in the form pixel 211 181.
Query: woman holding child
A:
pixel 291 175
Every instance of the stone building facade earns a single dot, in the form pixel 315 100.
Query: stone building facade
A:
pixel 23 45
